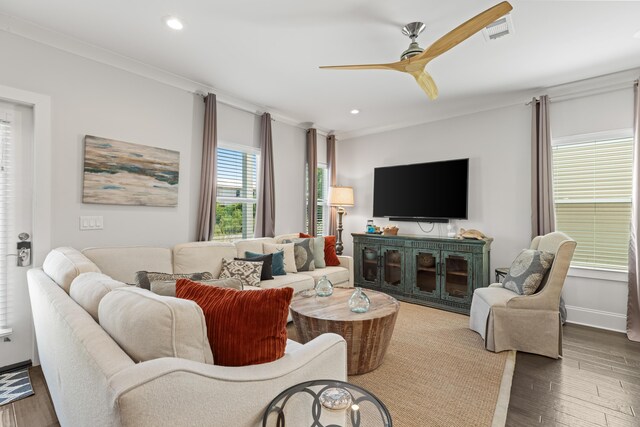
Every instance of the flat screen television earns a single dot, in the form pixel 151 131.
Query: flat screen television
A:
pixel 430 192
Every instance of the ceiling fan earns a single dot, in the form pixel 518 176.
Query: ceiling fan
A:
pixel 414 60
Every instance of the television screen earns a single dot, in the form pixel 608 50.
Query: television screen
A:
pixel 424 191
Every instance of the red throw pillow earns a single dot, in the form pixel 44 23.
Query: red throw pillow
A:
pixel 244 327
pixel 330 256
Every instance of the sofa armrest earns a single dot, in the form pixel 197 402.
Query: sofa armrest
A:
pixel 347 262
pixel 172 391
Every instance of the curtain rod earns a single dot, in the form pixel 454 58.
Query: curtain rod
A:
pixel 588 92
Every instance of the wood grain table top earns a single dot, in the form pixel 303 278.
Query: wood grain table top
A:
pixel 335 307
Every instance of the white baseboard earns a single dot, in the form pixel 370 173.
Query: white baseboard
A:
pixel 596 318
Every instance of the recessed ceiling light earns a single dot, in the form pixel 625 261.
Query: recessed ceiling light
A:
pixel 354 111
pixel 173 23
pixel 637 35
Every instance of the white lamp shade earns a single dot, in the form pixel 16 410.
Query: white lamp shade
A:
pixel 341 196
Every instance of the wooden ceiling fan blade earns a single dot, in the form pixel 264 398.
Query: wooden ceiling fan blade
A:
pixel 427 84
pixel 397 66
pixel 464 31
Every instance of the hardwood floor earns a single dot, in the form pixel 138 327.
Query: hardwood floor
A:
pixel 596 383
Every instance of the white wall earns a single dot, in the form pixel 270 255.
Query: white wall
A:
pixel 499 178
pixel 93 98
pixel 498 145
pixel 96 99
pixel 592 297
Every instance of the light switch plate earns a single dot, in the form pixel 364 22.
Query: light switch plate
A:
pixel 91 223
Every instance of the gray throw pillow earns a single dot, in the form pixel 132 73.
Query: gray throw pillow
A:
pixel 168 287
pixel 144 278
pixel 527 271
pixel 303 251
pixel 247 271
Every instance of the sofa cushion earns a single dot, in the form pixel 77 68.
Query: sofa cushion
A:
pixel 88 289
pixel 336 275
pixel 143 279
pixel 248 272
pixel 121 263
pixel 65 264
pixel 289 257
pixel 527 271
pixel 168 287
pixel 277 262
pixel 251 245
pixel 299 282
pixel 201 256
pixel 149 326
pixel 303 252
pixel 267 264
pixel 330 255
pixel 244 328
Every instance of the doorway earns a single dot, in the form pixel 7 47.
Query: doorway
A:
pixel 16 218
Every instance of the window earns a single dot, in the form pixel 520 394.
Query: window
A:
pixel 7 193
pixel 322 202
pixel 237 170
pixel 592 180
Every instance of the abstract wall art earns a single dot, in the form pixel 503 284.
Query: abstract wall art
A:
pixel 121 173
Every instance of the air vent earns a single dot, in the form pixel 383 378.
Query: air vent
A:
pixel 499 28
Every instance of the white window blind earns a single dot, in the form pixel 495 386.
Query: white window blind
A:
pixel 322 201
pixel 592 194
pixel 237 172
pixel 7 194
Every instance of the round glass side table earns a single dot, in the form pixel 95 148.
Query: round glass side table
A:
pixel 326 403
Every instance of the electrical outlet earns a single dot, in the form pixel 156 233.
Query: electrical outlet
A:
pixel 91 223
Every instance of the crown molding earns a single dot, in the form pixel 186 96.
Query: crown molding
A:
pixel 581 88
pixel 29 30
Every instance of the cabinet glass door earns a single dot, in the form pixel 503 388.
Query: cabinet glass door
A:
pixel 456 276
pixel 426 271
pixel 392 266
pixel 370 262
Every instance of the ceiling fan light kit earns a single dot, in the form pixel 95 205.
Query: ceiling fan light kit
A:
pixel 414 60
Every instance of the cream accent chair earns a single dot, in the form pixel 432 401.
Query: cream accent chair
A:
pixel 529 323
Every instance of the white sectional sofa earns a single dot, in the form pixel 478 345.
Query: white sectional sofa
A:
pixel 96 379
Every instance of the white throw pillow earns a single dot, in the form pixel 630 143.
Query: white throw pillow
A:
pixel 149 326
pixel 88 289
pixel 289 254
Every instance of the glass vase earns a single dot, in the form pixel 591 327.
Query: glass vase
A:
pixel 359 301
pixel 324 288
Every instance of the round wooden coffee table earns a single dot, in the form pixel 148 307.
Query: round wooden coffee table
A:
pixel 367 334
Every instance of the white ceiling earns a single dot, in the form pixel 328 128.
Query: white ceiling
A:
pixel 268 52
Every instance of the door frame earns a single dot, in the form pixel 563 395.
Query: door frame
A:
pixel 42 174
pixel 42 187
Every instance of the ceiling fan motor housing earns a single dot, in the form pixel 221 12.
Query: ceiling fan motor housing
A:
pixel 412 30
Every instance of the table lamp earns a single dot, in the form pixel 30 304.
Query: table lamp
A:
pixel 340 197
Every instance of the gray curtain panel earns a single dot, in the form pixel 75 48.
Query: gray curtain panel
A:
pixel 207 206
pixel 542 212
pixel 266 212
pixel 312 171
pixel 543 218
pixel 633 302
pixel 332 165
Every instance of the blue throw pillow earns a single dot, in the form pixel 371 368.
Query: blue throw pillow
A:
pixel 277 261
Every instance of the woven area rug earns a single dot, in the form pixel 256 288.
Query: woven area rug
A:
pixel 437 373
pixel 14 386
